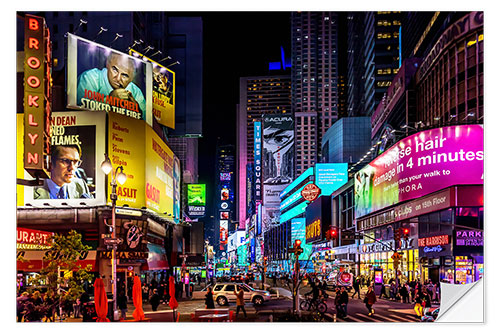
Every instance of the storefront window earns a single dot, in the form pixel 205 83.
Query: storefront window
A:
pixel 434 222
pixel 464 270
pixel 446 217
pixel 468 216
pixel 481 216
pixel 423 224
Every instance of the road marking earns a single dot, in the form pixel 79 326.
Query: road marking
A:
pixel 386 318
pixel 365 316
pixel 412 319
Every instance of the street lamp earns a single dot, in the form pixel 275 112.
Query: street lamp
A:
pixel 121 177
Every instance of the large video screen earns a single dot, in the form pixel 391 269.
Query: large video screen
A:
pixel 421 164
pixel 103 79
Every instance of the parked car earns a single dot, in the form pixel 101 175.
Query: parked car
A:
pixel 224 293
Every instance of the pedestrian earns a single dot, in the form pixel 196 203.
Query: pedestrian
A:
pixel 209 299
pixel 369 300
pixel 356 285
pixel 392 291
pixel 155 300
pixel 382 291
pixel 76 308
pixel 122 304
pixel 344 299
pixel 403 291
pixel 274 280
pixel 337 303
pixel 240 300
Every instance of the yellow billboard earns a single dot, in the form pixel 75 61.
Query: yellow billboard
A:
pixel 159 171
pixel 126 149
pixel 147 161
pixel 163 92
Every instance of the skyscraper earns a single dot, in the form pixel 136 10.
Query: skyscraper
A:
pixel 373 63
pixel 259 95
pixel 315 82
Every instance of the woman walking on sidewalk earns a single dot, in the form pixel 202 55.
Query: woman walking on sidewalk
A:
pixel 370 299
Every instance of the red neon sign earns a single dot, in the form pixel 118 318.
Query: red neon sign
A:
pixel 435 240
pixel 37 104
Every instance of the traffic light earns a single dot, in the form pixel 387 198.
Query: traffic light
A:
pixel 265 261
pixel 297 248
pixel 332 234
pixel 406 233
pixel 397 237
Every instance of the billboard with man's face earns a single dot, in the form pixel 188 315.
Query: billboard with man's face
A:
pixel 103 79
pixel 77 150
pixel 163 92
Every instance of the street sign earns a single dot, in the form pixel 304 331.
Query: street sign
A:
pixel 183 256
pixel 113 241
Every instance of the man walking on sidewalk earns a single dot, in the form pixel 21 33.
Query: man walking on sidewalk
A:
pixel 240 301
pixel 356 285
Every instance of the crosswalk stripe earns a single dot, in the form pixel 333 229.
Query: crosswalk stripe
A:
pixel 365 316
pixel 405 318
pixel 384 318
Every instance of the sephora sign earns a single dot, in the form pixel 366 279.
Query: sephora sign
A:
pixel 420 164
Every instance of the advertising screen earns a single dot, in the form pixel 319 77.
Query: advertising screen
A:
pixel 177 189
pixel 103 79
pixel 421 164
pixel 77 150
pixel 257 152
pixel 299 232
pixel 196 194
pixel 159 172
pixel 277 153
pixel 329 177
pixel 225 176
pixel 223 234
pixel 126 148
pixel 318 219
pixel 224 194
pixel 163 92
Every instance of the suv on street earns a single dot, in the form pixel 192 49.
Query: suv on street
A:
pixel 224 293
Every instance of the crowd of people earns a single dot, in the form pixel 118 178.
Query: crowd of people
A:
pixel 38 306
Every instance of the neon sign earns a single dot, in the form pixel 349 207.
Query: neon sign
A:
pixel 37 95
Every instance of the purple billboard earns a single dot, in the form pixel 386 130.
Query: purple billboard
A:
pixel 421 164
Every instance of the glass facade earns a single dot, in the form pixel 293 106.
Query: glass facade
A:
pixel 347 140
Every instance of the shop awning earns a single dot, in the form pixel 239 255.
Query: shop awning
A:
pixel 157 258
pixel 35 262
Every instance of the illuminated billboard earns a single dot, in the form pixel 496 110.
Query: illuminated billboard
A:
pixel 77 147
pixel 37 95
pixel 225 176
pixel 126 147
pixel 318 219
pixel 277 153
pixel 196 194
pixel 329 177
pixel 223 234
pixel 159 171
pixel 163 92
pixel 257 152
pixel 147 161
pixel 103 79
pixel 299 232
pixel 224 194
pixel 177 188
pixel 421 164
pixel 196 197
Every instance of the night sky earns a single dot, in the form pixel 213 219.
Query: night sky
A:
pixel 236 44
